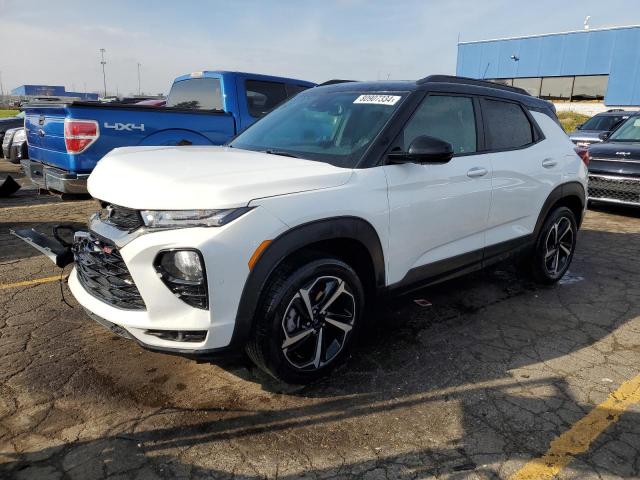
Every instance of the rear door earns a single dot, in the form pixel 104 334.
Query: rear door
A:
pixel 525 167
pixel 438 212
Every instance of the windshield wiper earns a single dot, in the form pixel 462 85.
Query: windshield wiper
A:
pixel 282 153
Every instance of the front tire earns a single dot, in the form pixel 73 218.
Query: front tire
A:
pixel 555 247
pixel 307 319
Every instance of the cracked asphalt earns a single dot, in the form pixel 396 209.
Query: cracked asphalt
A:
pixel 477 385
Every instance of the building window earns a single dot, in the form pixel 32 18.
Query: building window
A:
pixel 531 85
pixel 590 88
pixel 556 88
pixel 502 81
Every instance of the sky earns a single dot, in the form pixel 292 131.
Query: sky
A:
pixel 57 42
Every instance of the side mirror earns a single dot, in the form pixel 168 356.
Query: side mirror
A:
pixel 424 149
pixel 604 136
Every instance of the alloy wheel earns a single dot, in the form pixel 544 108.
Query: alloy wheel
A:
pixel 317 322
pixel 558 246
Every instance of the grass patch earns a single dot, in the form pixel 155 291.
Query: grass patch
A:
pixel 8 113
pixel 570 120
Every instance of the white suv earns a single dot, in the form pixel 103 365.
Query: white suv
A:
pixel 279 241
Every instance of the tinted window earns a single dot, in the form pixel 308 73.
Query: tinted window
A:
pixel 295 89
pixel 448 118
pixel 590 88
pixel 556 88
pixel 264 96
pixel 196 94
pixel 531 85
pixel 506 125
pixel 603 122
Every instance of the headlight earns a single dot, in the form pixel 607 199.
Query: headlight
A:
pixel 19 136
pixel 191 218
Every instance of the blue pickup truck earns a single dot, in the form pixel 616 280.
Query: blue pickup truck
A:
pixel 66 140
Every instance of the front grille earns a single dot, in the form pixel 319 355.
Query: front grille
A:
pixel 614 189
pixel 103 273
pixel 123 218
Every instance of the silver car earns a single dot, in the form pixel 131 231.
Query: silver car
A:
pixel 593 129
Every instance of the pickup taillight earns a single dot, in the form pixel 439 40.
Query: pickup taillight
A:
pixel 583 153
pixel 80 134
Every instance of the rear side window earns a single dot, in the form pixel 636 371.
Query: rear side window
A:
pixel 506 125
pixel 264 96
pixel 448 118
pixel 293 90
pixel 196 94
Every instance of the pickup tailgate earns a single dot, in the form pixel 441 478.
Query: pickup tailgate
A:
pixel 45 134
pixel 119 126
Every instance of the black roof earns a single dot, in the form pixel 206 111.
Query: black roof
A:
pixel 441 82
pixel 617 112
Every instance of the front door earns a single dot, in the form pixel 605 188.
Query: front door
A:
pixel 438 212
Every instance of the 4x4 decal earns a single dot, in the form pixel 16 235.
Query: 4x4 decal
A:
pixel 129 127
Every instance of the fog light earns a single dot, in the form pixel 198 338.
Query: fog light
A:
pixel 182 271
pixel 183 264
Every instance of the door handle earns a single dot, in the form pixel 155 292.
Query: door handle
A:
pixel 477 172
pixel 549 163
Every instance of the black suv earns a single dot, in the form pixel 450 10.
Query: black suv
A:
pixel 614 168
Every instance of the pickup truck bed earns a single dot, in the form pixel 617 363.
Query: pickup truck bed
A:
pixel 55 164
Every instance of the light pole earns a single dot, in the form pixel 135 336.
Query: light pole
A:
pixel 1 87
pixel 104 75
pixel 139 65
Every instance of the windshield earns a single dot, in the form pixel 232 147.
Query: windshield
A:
pixel 331 127
pixel 629 131
pixel 603 122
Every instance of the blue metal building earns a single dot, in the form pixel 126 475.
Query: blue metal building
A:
pixel 586 65
pixel 50 91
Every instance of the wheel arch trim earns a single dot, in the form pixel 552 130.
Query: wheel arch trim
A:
pixel 295 239
pixel 561 192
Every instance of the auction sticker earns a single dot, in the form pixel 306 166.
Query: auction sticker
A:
pixel 378 99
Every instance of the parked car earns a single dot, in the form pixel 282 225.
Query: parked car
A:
pixel 614 166
pixel 14 145
pixel 203 108
pixel 280 241
pixel 591 130
pixel 9 123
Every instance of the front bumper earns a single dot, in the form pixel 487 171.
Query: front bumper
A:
pixel 614 189
pixel 51 178
pixel 225 251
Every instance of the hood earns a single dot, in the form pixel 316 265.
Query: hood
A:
pixel 175 178
pixel 588 135
pixel 615 158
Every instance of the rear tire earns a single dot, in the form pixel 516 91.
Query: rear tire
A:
pixel 307 318
pixel 554 247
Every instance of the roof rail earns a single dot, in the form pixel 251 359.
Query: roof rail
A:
pixel 333 82
pixel 615 110
pixel 471 81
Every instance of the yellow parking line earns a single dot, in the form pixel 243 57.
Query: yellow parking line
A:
pixel 27 283
pixel 578 438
